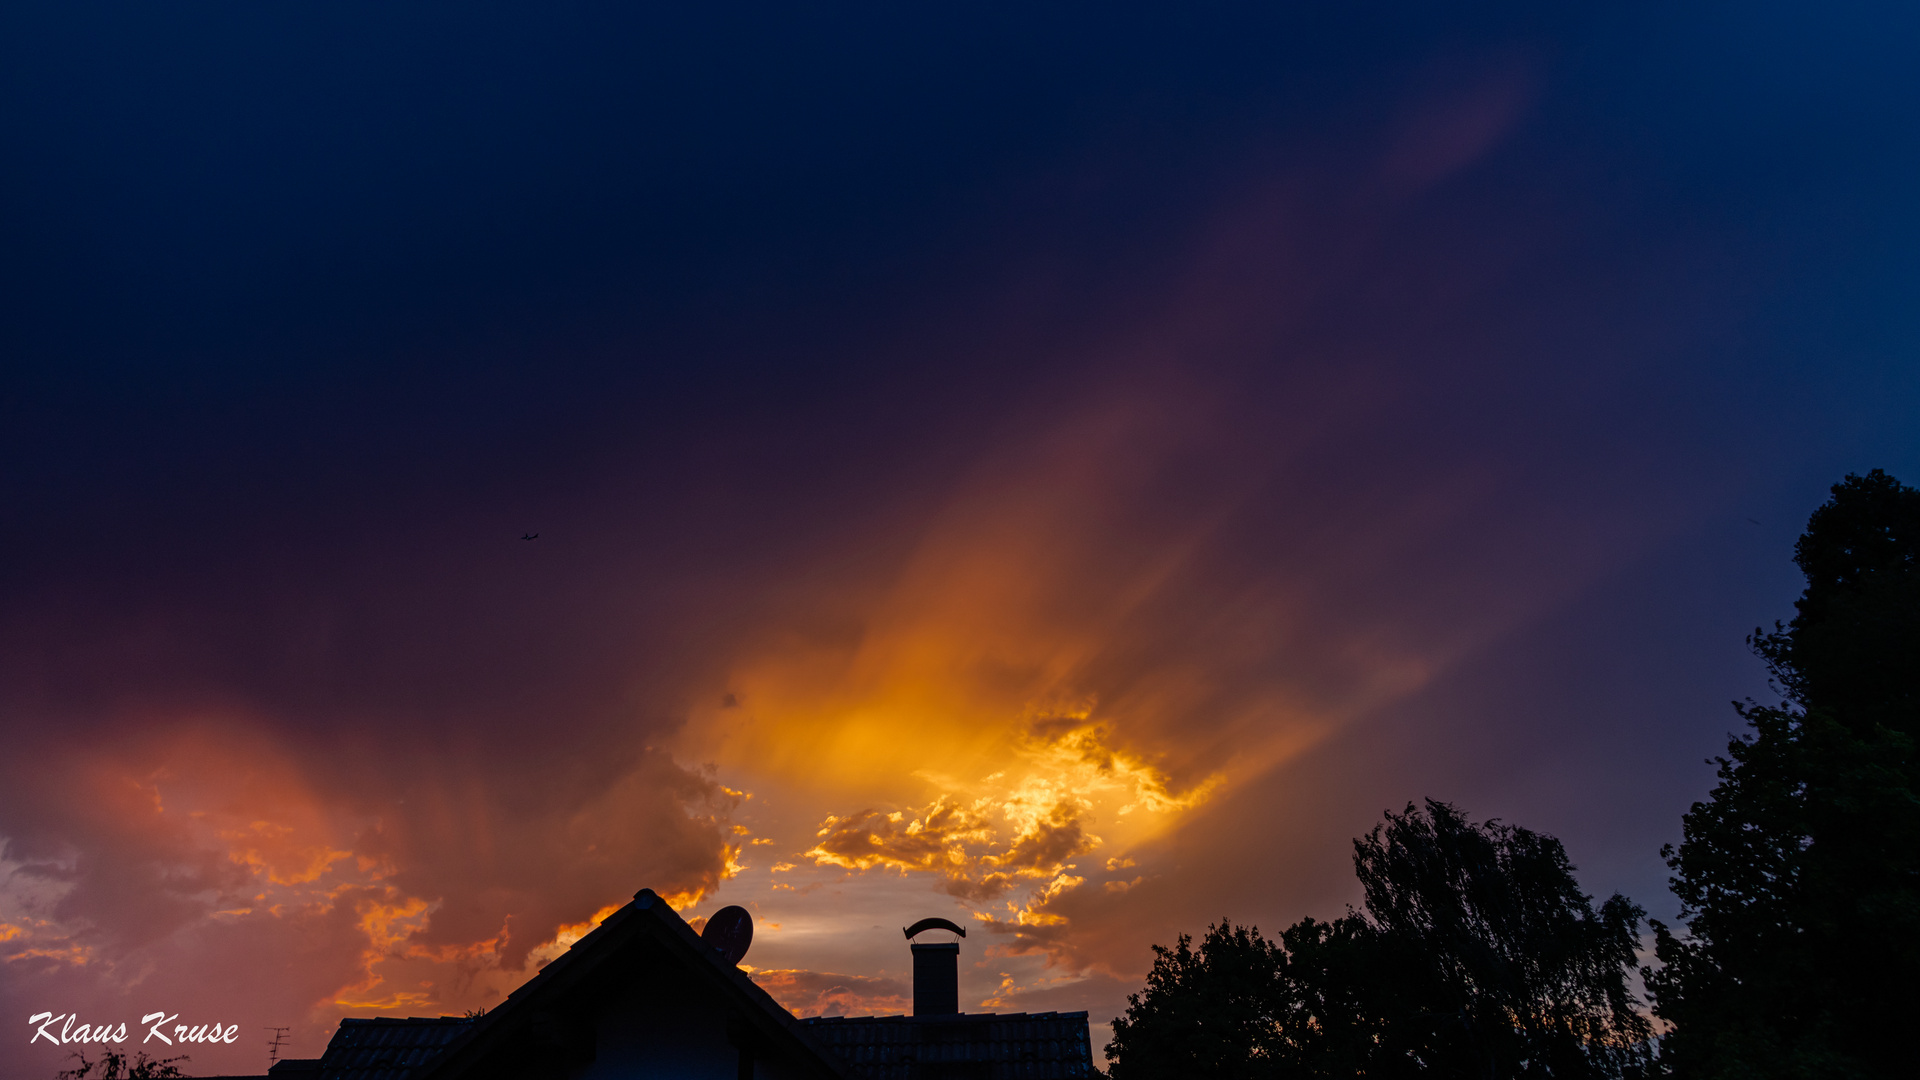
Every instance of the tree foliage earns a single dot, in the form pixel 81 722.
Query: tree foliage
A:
pixel 1477 955
pixel 1799 876
pixel 1515 971
pixel 113 1065
pixel 1211 1011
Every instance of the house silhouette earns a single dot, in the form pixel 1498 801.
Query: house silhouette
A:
pixel 644 995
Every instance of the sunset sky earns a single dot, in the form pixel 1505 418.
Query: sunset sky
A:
pixel 1064 468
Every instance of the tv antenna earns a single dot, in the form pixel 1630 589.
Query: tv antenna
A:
pixel 273 1048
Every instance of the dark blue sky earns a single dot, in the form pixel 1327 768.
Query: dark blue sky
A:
pixel 363 228
pixel 1358 402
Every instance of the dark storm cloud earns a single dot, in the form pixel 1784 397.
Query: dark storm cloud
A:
pixel 518 860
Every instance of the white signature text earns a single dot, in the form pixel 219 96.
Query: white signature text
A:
pixel 71 1030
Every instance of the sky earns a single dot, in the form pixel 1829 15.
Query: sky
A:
pixel 1066 468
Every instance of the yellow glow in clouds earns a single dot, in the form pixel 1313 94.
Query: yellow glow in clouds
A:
pixel 950 726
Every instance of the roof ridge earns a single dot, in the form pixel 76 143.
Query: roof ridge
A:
pixel 647 913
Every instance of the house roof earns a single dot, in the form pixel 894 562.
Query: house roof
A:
pixel 992 1046
pixel 376 1049
pixel 384 1049
pixel 647 920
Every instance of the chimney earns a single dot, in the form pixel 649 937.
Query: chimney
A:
pixel 936 979
pixel 936 970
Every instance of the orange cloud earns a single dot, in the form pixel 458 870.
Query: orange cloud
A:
pixel 935 839
pixel 1047 843
pixel 272 848
pixel 179 858
pixel 1025 823
pixel 821 993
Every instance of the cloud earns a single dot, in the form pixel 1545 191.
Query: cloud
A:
pixel 1049 841
pixel 1221 538
pixel 1008 627
pixel 960 843
pixel 935 838
pixel 819 993
pixel 1031 822
pixel 199 862
pixel 1056 991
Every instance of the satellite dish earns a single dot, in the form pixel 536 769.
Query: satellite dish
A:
pixel 729 932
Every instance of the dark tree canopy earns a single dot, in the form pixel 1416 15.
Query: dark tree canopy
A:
pixel 113 1065
pixel 1852 650
pixel 1518 975
pixel 1477 955
pixel 1799 876
pixel 1212 1011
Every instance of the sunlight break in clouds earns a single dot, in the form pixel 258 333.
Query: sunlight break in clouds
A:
pixel 1023 822
pixel 1052 682
pixel 1140 597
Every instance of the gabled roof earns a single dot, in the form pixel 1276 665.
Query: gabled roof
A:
pixel 991 1046
pixel 647 921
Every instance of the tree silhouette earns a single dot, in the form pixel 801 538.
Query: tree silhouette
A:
pixel 1514 971
pixel 1477 955
pixel 1212 1012
pixel 1799 876
pixel 113 1065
